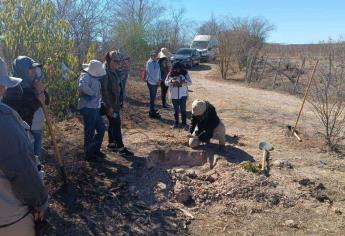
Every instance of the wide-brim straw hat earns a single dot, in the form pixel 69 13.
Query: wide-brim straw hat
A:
pixel 164 53
pixel 95 68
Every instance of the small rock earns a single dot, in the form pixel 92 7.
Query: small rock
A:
pixel 180 170
pixel 338 211
pixel 291 224
pixel 212 178
pixel 162 186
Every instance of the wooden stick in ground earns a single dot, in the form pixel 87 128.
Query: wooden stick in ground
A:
pixel 56 147
pixel 264 159
pixel 299 75
pixel 305 96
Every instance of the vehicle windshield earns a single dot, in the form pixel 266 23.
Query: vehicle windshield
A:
pixel 200 44
pixel 184 52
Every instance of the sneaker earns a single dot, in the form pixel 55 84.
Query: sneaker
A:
pixel 166 106
pixel 125 152
pixel 100 154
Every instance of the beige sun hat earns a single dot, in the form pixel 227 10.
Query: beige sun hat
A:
pixel 95 68
pixel 198 107
pixel 164 53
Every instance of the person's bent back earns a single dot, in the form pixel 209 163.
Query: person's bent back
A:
pixel 22 192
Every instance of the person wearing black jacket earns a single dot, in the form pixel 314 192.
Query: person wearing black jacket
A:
pixel 205 125
pixel 29 95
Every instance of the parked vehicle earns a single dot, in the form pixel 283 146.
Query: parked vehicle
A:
pixel 207 45
pixel 187 56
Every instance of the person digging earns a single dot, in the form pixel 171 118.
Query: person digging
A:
pixel 205 125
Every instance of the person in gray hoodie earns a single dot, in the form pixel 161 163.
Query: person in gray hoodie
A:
pixel 23 197
pixel 89 104
pixel 153 78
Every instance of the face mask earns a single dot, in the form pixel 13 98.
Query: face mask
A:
pixel 38 73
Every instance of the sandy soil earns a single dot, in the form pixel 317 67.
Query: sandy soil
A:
pixel 304 195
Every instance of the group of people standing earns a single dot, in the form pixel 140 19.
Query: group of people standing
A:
pixel 170 77
pixel 205 123
pixel 101 94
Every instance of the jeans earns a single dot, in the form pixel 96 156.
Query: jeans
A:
pixel 153 94
pixel 180 106
pixel 92 122
pixel 38 136
pixel 114 131
pixel 164 91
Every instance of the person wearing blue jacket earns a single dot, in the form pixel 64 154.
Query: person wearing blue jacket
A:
pixel 89 104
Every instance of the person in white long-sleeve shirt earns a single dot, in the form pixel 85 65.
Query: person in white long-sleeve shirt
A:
pixel 153 78
pixel 178 81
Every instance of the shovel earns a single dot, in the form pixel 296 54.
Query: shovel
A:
pixel 67 190
pixel 265 148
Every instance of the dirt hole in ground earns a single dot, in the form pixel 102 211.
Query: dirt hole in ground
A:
pixel 170 158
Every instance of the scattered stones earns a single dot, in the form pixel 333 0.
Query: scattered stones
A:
pixel 282 164
pixel 183 194
pixel 321 197
pixel 291 224
pixel 320 186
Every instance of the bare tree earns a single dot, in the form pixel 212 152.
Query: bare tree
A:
pixel 210 27
pixel 328 99
pixel 88 22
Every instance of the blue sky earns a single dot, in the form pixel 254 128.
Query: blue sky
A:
pixel 303 21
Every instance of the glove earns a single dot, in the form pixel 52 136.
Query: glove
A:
pixel 204 137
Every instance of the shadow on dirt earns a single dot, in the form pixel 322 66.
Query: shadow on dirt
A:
pixel 201 67
pixel 118 199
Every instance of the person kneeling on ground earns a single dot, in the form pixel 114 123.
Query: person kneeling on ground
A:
pixel 205 124
pixel 111 95
pixel 23 196
pixel 178 81
pixel 89 104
